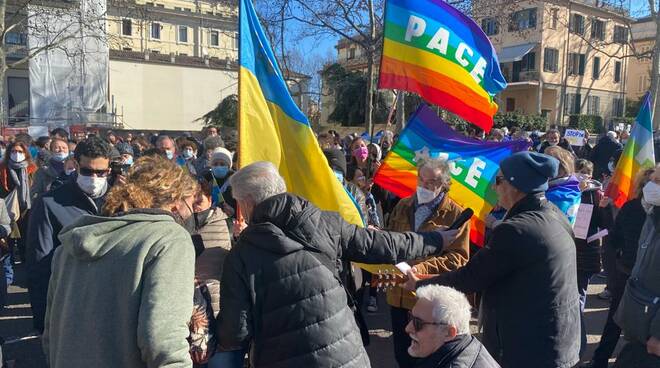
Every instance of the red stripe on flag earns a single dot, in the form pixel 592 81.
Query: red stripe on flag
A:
pixel 441 98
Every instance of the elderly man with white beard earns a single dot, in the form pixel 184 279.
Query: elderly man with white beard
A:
pixel 440 331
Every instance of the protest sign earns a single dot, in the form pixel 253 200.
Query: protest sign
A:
pixel 575 137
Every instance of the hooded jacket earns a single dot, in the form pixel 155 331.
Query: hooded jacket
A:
pixel 121 293
pixel 280 289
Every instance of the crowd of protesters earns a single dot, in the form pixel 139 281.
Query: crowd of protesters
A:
pixel 136 255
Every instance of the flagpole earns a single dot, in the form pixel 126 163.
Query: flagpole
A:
pixel 239 122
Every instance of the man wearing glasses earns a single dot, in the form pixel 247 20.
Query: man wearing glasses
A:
pixel 526 272
pixel 58 208
pixel 439 329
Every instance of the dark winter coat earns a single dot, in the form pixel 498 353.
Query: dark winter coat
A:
pixel 588 254
pixel 49 215
pixel 280 291
pixel 528 278
pixel 465 351
pixel 625 235
pixel 563 143
pixel 601 154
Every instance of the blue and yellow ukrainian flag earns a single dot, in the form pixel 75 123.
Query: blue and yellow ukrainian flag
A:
pixel 272 128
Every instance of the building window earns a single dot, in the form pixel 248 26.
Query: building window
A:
pixel 577 24
pixel 576 64
pixel 183 34
pixel 234 41
pixel 595 72
pixel 617 107
pixel 15 38
pixel 209 13
pixel 555 19
pixel 150 4
pixel 597 29
pixel 551 60
pixel 620 34
pixel 126 27
pixel 351 54
pixel 617 71
pixel 573 103
pixel 510 104
pixel 593 105
pixel 155 31
pixel 127 49
pixel 160 5
pixel 523 19
pixel 490 26
pixel 528 62
pixel 177 8
pixel 215 38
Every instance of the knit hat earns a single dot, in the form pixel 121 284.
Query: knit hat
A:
pixel 222 153
pixel 529 171
pixel 336 159
pixel 124 148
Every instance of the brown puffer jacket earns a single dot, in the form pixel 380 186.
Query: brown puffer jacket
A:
pixel 452 257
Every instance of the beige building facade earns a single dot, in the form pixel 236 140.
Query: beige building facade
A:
pixel 560 58
pixel 639 70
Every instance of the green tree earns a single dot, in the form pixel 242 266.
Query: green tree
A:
pixel 224 115
pixel 349 88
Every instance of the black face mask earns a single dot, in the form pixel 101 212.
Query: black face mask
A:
pixel 201 218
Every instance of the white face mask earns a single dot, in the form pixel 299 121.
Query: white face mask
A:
pixel 92 185
pixel 17 156
pixel 425 196
pixel 651 193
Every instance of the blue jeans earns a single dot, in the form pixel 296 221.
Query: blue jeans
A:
pixel 8 270
pixel 227 359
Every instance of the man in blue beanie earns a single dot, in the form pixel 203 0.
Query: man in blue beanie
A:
pixel 526 273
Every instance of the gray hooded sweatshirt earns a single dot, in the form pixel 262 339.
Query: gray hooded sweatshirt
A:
pixel 121 293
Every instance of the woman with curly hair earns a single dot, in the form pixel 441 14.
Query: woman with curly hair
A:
pixel 121 290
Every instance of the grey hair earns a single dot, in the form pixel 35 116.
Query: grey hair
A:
pixel 449 306
pixel 162 138
pixel 437 164
pixel 257 182
pixel 612 134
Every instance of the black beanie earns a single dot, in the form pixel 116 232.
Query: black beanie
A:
pixel 336 159
pixel 529 171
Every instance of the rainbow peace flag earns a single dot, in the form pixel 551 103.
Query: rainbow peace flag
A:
pixel 637 155
pixel 272 128
pixel 436 51
pixel 473 164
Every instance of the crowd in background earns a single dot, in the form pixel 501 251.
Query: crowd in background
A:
pixel 90 218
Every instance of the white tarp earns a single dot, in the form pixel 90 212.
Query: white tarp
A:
pixel 69 80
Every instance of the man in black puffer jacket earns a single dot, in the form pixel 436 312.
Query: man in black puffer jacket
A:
pixel 526 273
pixel 280 285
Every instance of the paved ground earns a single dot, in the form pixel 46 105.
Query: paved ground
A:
pixel 25 348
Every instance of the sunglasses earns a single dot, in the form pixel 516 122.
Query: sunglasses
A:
pixel 84 171
pixel 499 179
pixel 419 323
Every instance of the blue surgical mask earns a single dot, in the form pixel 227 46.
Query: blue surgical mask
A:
pixel 188 153
pixel 339 175
pixel 220 171
pixel 128 161
pixel 60 156
pixel 169 154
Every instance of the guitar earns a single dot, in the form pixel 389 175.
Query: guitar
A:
pixel 384 280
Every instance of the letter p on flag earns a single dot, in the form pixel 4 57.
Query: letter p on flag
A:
pixel 416 27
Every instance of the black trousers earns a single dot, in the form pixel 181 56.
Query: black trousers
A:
pixel 611 331
pixel 401 338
